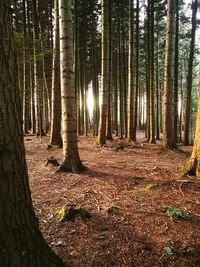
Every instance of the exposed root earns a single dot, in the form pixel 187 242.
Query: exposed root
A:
pixel 74 166
pixel 190 168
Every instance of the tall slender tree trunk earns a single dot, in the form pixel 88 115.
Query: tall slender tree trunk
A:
pixel 95 87
pixel 109 109
pixel 71 161
pixel 38 74
pixel 148 60
pixel 104 72
pixel 189 76
pixel 151 75
pixel 21 242
pixel 168 97
pixel 55 138
pixel 137 37
pixel 25 73
pixel 176 72
pixel 131 75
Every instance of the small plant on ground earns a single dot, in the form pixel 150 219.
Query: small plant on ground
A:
pixel 168 251
pixel 175 213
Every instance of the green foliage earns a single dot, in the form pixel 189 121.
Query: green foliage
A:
pixel 168 251
pixel 175 213
pixel 19 37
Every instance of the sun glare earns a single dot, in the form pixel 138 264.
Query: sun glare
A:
pixel 90 101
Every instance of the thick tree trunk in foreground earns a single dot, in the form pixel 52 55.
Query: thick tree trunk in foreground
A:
pixel 56 91
pixel 168 97
pixel 21 243
pixel 193 166
pixel 70 148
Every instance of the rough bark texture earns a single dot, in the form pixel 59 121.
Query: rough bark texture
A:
pixel 104 72
pixel 70 148
pixel 38 72
pixel 56 91
pixel 168 97
pixel 151 82
pixel 189 76
pixel 131 135
pixel 176 73
pixel 26 73
pixel 21 243
pixel 109 108
pixel 193 166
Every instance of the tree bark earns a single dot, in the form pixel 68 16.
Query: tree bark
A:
pixel 21 242
pixel 104 72
pixel 176 73
pixel 71 162
pixel 193 165
pixel 189 76
pixel 55 138
pixel 131 75
pixel 151 76
pixel 168 97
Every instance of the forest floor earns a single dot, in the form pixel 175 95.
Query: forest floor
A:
pixel 128 189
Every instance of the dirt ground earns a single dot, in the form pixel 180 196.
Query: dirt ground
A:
pixel 126 189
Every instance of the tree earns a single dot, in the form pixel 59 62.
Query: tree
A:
pixel 56 93
pixel 193 166
pixel 71 160
pixel 176 72
pixel 151 77
pixel 21 242
pixel 189 75
pixel 168 108
pixel 104 71
pixel 131 135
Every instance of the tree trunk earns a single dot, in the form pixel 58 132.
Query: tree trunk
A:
pixel 26 73
pixel 104 72
pixel 189 76
pixel 21 243
pixel 137 36
pixel 193 165
pixel 176 73
pixel 151 76
pixel 109 109
pixel 168 97
pixel 131 75
pixel 55 138
pixel 38 73
pixel 71 162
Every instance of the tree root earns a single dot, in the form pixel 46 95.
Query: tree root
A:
pixel 74 166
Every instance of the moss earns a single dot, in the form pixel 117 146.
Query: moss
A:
pixel 111 209
pixel 151 186
pixel 71 212
pixel 47 146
